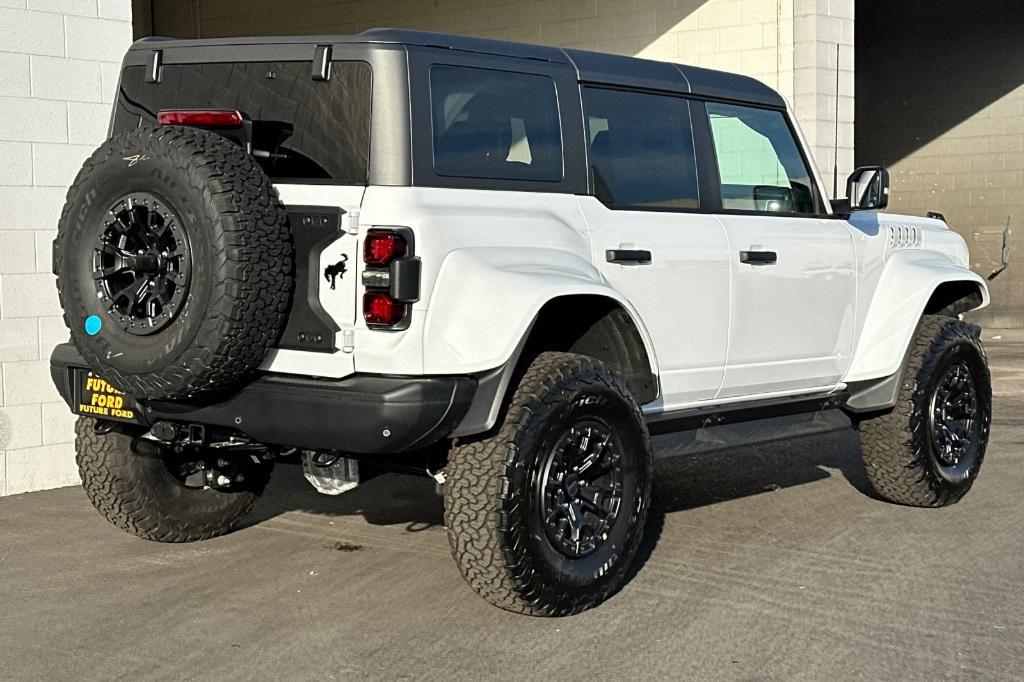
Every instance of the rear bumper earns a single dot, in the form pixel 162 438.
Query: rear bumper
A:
pixel 365 414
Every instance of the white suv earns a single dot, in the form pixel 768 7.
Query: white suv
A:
pixel 524 270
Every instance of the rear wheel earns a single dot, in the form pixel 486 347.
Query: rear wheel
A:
pixel 545 515
pixel 927 451
pixel 157 493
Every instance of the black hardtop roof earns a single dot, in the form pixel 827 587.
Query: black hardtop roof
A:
pixel 591 67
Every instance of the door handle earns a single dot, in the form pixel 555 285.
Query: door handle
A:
pixel 759 257
pixel 634 256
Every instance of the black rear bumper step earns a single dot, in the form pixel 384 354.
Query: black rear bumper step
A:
pixel 362 414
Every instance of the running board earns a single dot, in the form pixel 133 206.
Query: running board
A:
pixel 719 427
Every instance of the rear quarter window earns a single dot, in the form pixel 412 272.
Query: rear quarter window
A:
pixel 641 150
pixel 313 130
pixel 495 124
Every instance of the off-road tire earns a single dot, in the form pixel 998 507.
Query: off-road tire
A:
pixel 127 481
pixel 490 491
pixel 234 307
pixel 901 461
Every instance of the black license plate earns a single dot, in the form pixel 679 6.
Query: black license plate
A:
pixel 94 397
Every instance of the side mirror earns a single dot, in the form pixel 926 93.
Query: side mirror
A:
pixel 773 199
pixel 867 189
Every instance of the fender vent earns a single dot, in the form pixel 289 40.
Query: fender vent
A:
pixel 903 237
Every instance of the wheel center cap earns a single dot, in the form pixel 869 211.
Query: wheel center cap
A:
pixel 146 264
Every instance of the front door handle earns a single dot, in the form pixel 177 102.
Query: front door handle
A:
pixel 759 257
pixel 634 256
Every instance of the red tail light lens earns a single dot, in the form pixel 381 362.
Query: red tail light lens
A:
pixel 200 118
pixel 383 246
pixel 380 310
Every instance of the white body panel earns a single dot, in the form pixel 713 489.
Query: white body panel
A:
pixel 896 282
pixel 839 305
pixel 491 260
pixel 792 322
pixel 682 295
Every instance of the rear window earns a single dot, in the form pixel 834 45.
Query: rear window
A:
pixel 495 124
pixel 308 130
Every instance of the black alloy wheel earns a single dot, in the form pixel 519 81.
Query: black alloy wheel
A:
pixel 952 419
pixel 581 488
pixel 142 264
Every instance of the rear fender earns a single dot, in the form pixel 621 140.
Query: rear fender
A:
pixel 486 299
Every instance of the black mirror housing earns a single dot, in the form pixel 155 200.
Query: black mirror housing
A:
pixel 867 189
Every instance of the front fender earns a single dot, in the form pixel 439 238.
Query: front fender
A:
pixel 485 301
pixel 907 283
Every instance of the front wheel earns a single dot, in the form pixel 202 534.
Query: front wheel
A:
pixel 927 450
pixel 149 490
pixel 545 515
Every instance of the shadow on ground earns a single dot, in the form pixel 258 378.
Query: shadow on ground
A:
pixel 681 484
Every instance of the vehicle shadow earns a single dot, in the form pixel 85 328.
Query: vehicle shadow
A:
pixel 680 484
pixel 685 483
pixel 385 500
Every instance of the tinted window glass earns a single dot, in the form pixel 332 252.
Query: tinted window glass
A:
pixel 641 149
pixel 309 129
pixel 759 162
pixel 495 124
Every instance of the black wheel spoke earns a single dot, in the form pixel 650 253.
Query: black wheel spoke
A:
pixel 952 414
pixel 142 265
pixel 582 489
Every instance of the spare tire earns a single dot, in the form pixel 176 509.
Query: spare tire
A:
pixel 174 262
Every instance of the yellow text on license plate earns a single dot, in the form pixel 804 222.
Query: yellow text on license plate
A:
pixel 100 399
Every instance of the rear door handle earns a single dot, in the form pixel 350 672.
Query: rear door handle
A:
pixel 634 256
pixel 759 257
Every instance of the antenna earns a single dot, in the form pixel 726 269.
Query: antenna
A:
pixel 835 149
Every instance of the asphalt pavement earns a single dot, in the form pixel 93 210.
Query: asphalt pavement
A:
pixel 772 562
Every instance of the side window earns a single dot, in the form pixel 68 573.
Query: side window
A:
pixel 495 124
pixel 759 162
pixel 641 149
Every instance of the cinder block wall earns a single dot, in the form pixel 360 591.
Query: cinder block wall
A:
pixel 58 68
pixel 788 44
pixel 943 106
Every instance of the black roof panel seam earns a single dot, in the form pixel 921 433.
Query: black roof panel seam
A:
pixel 592 67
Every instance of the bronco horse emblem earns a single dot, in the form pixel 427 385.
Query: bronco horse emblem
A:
pixel 336 271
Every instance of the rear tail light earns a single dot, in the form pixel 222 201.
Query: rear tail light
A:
pixel 383 246
pixel 380 310
pixel 391 275
pixel 200 118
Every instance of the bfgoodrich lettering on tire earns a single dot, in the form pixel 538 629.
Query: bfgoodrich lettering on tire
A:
pixel 174 262
pixel 928 449
pixel 545 515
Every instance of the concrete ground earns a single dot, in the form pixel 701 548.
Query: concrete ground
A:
pixel 771 562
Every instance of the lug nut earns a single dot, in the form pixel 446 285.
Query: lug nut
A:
pixel 223 480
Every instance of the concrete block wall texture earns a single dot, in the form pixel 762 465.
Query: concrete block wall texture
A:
pixel 788 44
pixel 943 107
pixel 59 61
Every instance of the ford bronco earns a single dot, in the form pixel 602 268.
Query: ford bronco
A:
pixel 522 270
